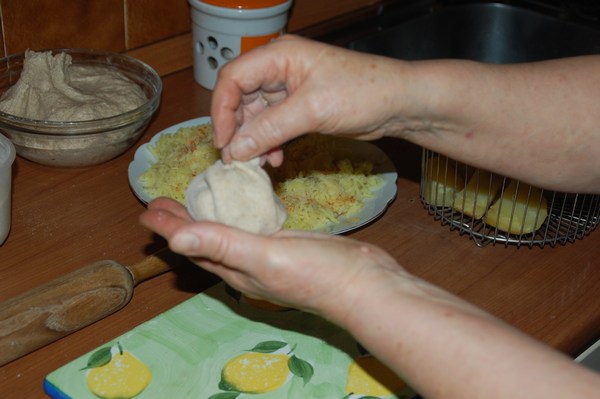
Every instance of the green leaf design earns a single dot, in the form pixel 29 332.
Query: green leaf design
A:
pixel 225 386
pixel 268 346
pixel 99 358
pixel 301 368
pixel 225 395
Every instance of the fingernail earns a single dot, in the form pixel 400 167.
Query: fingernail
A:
pixel 242 146
pixel 185 242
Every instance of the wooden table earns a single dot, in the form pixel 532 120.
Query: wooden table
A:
pixel 66 218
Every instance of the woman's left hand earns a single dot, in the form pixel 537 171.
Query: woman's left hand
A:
pixel 314 272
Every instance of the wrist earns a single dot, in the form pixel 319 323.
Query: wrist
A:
pixel 411 98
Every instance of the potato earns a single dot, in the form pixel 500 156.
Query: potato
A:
pixel 475 199
pixel 521 209
pixel 441 181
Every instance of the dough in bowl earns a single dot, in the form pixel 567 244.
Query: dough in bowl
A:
pixel 239 194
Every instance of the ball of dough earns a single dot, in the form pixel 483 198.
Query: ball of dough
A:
pixel 239 194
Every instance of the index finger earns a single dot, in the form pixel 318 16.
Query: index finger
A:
pixel 226 100
pixel 259 69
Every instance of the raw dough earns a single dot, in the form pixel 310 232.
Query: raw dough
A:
pixel 239 194
pixel 52 88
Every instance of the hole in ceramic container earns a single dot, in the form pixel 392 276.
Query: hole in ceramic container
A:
pixel 213 63
pixel 199 48
pixel 212 42
pixel 227 53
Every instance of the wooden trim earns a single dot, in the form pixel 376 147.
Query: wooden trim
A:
pixel 167 56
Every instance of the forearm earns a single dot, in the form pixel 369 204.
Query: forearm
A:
pixel 445 347
pixel 537 122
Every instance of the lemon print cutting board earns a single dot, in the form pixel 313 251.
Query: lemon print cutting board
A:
pixel 219 345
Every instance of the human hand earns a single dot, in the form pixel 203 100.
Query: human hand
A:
pixel 276 268
pixel 294 86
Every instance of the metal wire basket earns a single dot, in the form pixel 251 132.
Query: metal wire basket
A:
pixel 495 209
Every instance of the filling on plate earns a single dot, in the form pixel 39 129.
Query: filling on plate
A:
pixel 318 187
pixel 179 157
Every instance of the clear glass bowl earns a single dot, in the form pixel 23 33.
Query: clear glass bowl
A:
pixel 81 143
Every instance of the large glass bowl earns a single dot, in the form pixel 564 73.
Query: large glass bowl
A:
pixel 81 143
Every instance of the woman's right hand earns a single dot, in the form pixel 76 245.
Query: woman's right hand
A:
pixel 294 86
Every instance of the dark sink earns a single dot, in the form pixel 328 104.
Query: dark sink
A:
pixel 491 32
pixel 488 32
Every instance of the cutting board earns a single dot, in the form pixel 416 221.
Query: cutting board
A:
pixel 216 345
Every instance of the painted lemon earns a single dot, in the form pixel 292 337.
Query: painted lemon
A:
pixel 124 377
pixel 368 376
pixel 256 372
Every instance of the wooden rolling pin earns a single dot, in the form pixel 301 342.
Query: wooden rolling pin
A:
pixel 71 302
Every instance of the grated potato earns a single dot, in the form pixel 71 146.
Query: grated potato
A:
pixel 179 157
pixel 316 187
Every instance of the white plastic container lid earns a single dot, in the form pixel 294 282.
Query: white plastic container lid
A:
pixel 7 156
pixel 7 152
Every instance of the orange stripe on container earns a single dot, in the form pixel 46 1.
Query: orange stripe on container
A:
pixel 244 4
pixel 250 42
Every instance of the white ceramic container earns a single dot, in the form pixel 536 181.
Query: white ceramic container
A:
pixel 224 29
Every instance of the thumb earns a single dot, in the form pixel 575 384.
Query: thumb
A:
pixel 220 244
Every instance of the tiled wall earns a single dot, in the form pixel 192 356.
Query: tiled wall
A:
pixel 115 25
pixel 153 30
